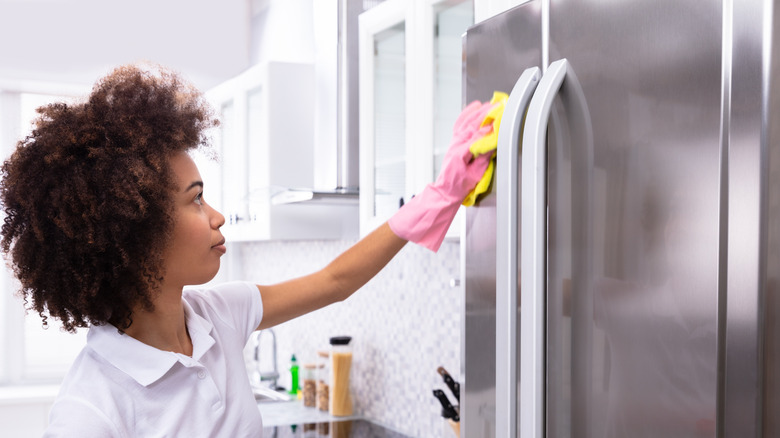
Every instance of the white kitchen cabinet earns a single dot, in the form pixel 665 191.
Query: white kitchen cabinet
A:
pixel 450 19
pixel 410 94
pixel 443 23
pixel 383 111
pixel 266 146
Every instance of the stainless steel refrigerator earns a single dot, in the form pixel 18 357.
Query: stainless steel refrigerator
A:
pixel 621 274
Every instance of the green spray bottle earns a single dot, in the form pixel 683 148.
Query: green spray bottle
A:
pixel 293 376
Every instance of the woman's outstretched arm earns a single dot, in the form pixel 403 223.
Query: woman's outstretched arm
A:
pixel 335 282
pixel 423 220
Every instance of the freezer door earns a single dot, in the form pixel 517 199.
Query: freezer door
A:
pixel 497 52
pixel 633 237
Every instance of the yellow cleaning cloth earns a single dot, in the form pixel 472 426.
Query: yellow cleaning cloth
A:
pixel 486 144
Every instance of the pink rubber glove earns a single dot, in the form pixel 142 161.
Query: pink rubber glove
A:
pixel 426 218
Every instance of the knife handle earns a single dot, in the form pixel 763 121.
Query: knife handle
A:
pixel 451 383
pixel 447 410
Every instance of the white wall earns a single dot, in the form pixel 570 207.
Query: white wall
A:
pixel 77 41
pixel 282 30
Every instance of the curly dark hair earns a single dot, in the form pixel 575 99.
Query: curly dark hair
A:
pixel 87 196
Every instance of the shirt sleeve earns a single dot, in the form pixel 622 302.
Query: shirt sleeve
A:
pixel 236 303
pixel 71 417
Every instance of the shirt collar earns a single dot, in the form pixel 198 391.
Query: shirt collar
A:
pixel 144 363
pixel 200 329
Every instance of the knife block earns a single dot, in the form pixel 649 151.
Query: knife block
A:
pixel 455 427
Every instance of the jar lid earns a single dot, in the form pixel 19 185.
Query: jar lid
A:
pixel 340 340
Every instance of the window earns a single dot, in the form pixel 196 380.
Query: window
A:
pixel 31 354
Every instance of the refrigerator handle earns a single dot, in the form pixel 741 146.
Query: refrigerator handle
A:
pixel 533 246
pixel 507 184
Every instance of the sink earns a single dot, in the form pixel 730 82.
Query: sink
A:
pixel 268 395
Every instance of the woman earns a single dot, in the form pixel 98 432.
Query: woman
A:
pixel 106 223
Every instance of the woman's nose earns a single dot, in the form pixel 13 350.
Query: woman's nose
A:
pixel 217 219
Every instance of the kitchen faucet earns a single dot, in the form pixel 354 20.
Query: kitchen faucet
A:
pixel 260 375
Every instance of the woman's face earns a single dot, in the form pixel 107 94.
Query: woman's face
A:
pixel 196 244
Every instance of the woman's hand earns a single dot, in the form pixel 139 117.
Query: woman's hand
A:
pixel 427 216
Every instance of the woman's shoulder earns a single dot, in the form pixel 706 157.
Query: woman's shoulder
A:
pixel 235 304
pixel 74 415
pixel 90 371
pixel 223 297
pixel 218 291
pixel 90 400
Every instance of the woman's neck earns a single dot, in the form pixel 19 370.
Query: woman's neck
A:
pixel 164 327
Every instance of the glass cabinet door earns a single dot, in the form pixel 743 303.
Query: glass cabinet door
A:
pixel 410 95
pixel 443 23
pixel 450 21
pixel 389 120
pixel 257 152
pixel 232 150
pixel 383 112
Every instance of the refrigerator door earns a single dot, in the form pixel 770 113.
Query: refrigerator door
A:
pixel 634 184
pixel 497 52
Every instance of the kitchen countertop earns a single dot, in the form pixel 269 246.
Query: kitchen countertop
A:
pixel 334 429
pixel 294 412
pixel 290 419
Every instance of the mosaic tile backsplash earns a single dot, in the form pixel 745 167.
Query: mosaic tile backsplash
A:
pixel 404 324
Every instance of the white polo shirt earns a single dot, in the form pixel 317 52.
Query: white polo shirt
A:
pixel 121 387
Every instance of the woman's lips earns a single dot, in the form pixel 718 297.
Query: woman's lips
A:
pixel 220 246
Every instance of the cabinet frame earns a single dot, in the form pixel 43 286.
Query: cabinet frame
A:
pixel 372 22
pixel 418 18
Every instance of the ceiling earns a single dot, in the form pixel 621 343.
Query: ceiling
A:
pixel 74 42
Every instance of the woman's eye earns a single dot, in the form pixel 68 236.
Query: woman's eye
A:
pixel 199 198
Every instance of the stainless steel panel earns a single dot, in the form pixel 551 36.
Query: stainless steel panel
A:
pixel 500 48
pixel 633 298
pixel 348 106
pixel 745 228
pixel 771 301
pixel 489 66
pixel 740 415
pixel 571 189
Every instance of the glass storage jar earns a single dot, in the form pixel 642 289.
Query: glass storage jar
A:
pixel 340 363
pixel 323 380
pixel 308 375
